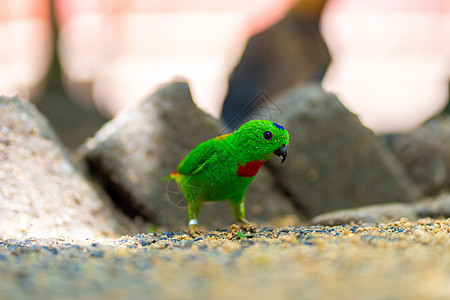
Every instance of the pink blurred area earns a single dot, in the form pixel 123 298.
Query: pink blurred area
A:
pixel 391 58
pixel 25 46
pixel 124 49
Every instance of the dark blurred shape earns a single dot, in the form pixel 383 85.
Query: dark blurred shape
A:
pixel 289 52
pixel 447 108
pixel 71 122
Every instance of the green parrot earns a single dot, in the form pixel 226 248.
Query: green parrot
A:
pixel 221 168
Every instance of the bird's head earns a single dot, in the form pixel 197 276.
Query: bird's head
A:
pixel 262 139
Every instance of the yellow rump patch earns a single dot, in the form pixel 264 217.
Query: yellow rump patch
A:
pixel 221 137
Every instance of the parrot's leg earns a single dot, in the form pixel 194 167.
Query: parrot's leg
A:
pixel 239 212
pixel 193 212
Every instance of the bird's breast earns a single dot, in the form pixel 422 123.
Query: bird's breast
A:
pixel 250 168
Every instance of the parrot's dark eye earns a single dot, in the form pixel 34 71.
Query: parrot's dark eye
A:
pixel 267 135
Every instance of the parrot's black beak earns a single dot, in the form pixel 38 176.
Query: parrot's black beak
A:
pixel 281 152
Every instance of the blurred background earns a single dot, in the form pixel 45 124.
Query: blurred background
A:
pixel 81 61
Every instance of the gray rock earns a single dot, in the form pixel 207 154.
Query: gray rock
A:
pixel 434 207
pixel 334 161
pixel 425 154
pixel 131 153
pixel 438 206
pixel 380 213
pixel 42 191
pixel 425 165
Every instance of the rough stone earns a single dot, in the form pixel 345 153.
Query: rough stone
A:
pixel 438 206
pixel 379 213
pixel 425 154
pixel 434 207
pixel 421 161
pixel 334 161
pixel 131 153
pixel 43 193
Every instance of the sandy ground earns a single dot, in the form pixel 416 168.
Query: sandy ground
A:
pixel 400 260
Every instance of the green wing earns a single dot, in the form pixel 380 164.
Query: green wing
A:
pixel 198 158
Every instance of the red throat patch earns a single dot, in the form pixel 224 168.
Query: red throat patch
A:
pixel 250 169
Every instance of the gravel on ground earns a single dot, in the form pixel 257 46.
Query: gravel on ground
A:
pixel 397 260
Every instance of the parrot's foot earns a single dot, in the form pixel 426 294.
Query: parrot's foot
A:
pixel 234 229
pixel 193 230
pixel 246 225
